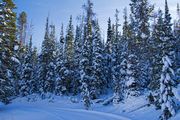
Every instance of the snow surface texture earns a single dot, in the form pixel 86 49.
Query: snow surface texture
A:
pixel 62 108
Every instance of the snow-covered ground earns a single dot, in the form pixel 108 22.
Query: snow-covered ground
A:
pixel 61 108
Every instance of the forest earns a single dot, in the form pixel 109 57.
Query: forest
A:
pixel 141 59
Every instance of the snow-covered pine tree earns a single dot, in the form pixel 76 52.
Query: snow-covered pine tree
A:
pixel 86 95
pixel 116 60
pixel 77 57
pixel 8 58
pixel 21 38
pixel 166 87
pixel 132 85
pixel 141 11
pixel 169 40
pixel 98 84
pixel 177 45
pixel 132 72
pixel 69 58
pixel 156 45
pixel 46 72
pixel 108 56
pixel 121 66
pixel 69 44
pixel 87 58
pixel 34 83
pixel 27 81
pixel 49 85
pixel 60 64
pixel 42 60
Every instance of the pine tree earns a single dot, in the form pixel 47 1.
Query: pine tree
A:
pixel 108 56
pixel 46 73
pixel 132 85
pixel 157 45
pixel 60 65
pixel 121 63
pixel 49 85
pixel 8 58
pixel 69 46
pixel 141 12
pixel 98 85
pixel 69 57
pixel 166 86
pixel 34 83
pixel 116 60
pixel 27 82
pixel 77 57
pixel 86 66
pixel 87 55
pixel 86 95
pixel 177 35
pixel 169 39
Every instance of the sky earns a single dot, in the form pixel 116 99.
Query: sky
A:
pixel 59 12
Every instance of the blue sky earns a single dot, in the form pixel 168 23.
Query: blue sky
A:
pixel 60 10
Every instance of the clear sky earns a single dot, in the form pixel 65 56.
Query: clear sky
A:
pixel 60 10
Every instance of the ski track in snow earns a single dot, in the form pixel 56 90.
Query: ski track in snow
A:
pixel 46 112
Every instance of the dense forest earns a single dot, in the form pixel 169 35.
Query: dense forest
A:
pixel 142 58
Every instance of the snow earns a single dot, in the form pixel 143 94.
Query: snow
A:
pixel 62 108
pixel 15 60
pixel 43 110
pixel 16 47
pixel 176 92
pixel 130 81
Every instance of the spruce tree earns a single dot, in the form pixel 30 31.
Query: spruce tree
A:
pixel 49 85
pixel 108 56
pixel 77 57
pixel 69 57
pixel 27 82
pixel 169 39
pixel 156 48
pixel 60 65
pixel 177 35
pixel 46 73
pixel 87 61
pixel 141 12
pixel 98 85
pixel 166 87
pixel 8 58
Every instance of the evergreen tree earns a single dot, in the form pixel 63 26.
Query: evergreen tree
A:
pixel 69 58
pixel 132 86
pixel 60 65
pixel 27 83
pixel 169 40
pixel 116 60
pixel 69 46
pixel 49 85
pixel 46 73
pixel 8 58
pixel 87 55
pixel 141 12
pixel 120 66
pixel 34 83
pixel 77 57
pixel 177 35
pixel 98 84
pixel 157 44
pixel 166 86
pixel 108 56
